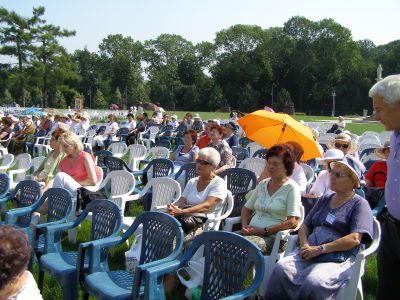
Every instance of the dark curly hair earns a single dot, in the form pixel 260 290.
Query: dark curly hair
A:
pixel 14 254
pixel 286 154
pixel 193 135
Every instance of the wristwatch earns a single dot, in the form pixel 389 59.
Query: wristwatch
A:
pixel 266 231
pixel 321 248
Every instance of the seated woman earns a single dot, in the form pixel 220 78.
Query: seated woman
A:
pixel 275 201
pixel 187 152
pixel 230 134
pixel 111 129
pixel 321 186
pixel 15 281
pixel 17 144
pixel 336 226
pixel 218 143
pixel 343 142
pixel 377 173
pixel 49 166
pixel 77 168
pixel 202 195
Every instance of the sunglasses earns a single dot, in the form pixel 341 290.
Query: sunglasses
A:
pixel 338 174
pixel 202 162
pixel 344 146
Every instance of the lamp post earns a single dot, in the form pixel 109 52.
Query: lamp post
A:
pixel 333 102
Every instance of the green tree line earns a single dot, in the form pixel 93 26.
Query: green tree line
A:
pixel 246 67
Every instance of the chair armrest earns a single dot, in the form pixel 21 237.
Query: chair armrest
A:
pixel 13 214
pixel 51 231
pixel 15 172
pixel 96 247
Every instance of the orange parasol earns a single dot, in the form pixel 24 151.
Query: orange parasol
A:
pixel 268 129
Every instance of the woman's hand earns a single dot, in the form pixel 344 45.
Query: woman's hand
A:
pixel 251 230
pixel 174 210
pixel 308 252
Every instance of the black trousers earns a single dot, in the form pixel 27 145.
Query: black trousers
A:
pixel 389 259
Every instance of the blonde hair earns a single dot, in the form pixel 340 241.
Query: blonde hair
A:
pixel 71 139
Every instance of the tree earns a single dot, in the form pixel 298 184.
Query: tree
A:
pixel 59 100
pixel 117 98
pixel 99 100
pixel 16 38
pixel 7 98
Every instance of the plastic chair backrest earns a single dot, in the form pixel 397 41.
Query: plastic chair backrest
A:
pixel 117 148
pixel 59 203
pixel 160 167
pixel 136 152
pixel 240 153
pixel 7 160
pixel 261 153
pixel 254 164
pixel 239 181
pixel 228 260
pixel 26 192
pixel 163 143
pixel 164 190
pixel 158 152
pixel 99 155
pixel 115 163
pixel 190 172
pixel 4 185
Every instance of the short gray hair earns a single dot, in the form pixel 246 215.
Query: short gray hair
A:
pixel 212 155
pixel 388 88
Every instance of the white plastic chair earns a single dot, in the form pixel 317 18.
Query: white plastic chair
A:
pixel 41 143
pixel 137 152
pixel 164 190
pixel 310 174
pixel 157 152
pixel 253 147
pixel 254 164
pixel 353 288
pixel 152 131
pixel 117 149
pixel 7 160
pixel 35 163
pixel 22 163
pixel 120 185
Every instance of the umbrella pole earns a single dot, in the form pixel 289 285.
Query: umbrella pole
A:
pixel 283 131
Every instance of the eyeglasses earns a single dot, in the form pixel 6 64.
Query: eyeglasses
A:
pixel 344 146
pixel 338 174
pixel 203 162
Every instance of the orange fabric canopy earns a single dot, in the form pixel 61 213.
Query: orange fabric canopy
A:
pixel 268 129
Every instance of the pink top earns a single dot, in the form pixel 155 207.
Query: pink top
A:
pixel 76 169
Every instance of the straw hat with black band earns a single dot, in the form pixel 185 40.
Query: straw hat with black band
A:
pixel 343 138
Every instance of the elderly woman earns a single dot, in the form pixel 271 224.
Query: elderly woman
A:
pixel 321 186
pixel 77 168
pixel 15 281
pixel 49 166
pixel 111 130
pixel 275 202
pixel 202 195
pixel 218 143
pixel 330 238
pixel 343 142
pixel 187 152
pixel 230 134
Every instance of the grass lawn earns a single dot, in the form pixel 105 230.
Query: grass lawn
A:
pixel 53 291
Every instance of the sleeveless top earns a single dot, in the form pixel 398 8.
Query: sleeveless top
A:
pixel 76 169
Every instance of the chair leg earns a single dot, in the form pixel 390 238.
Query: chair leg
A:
pixel 85 296
pixel 40 280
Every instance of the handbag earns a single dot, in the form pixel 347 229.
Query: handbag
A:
pixel 336 257
pixel 84 197
pixel 190 223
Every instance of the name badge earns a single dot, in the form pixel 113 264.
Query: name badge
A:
pixel 330 218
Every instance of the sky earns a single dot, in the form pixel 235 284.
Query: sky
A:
pixel 199 20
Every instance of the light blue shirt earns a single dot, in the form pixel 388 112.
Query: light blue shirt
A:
pixel 392 188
